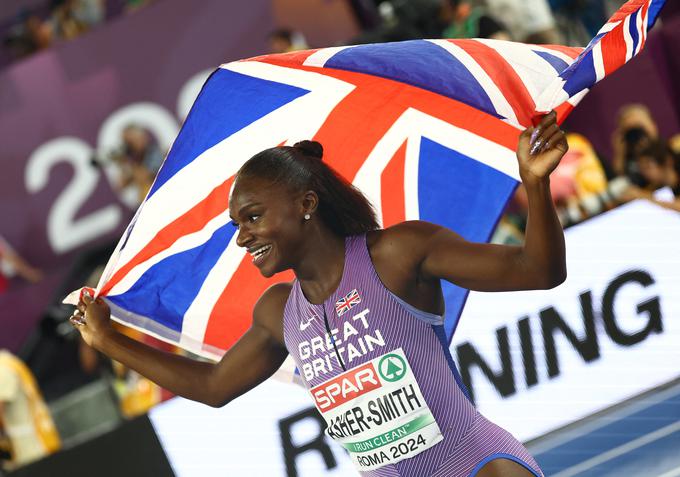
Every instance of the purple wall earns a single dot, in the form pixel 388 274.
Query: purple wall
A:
pixel 63 96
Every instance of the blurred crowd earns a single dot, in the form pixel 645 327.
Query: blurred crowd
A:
pixel 32 29
pixel 568 22
pixel 643 165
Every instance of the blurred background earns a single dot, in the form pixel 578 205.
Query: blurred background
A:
pixel 92 94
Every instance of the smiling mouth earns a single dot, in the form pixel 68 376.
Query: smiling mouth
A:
pixel 259 253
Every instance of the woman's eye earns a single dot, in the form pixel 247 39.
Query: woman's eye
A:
pixel 253 218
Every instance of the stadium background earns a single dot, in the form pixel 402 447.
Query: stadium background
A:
pixel 588 404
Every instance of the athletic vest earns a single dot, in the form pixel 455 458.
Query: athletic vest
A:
pixel 380 374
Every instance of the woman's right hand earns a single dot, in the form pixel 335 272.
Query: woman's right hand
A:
pixel 92 319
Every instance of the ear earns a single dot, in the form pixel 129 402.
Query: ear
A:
pixel 310 202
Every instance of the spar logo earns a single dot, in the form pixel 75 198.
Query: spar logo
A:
pixel 350 385
pixel 392 367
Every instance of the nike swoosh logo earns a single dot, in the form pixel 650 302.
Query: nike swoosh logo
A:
pixel 305 325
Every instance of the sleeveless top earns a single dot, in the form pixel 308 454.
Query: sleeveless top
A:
pixel 380 373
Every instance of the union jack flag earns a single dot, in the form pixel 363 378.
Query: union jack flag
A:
pixel 344 304
pixel 427 129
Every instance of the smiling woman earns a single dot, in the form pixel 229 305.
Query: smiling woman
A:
pixel 273 176
pixel 363 317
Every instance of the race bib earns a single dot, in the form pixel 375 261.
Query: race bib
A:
pixel 377 412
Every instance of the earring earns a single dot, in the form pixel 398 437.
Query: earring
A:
pixel 307 216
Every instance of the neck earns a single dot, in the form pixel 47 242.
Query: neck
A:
pixel 319 271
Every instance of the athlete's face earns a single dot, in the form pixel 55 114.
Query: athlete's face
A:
pixel 270 221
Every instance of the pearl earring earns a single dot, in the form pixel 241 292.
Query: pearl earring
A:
pixel 307 216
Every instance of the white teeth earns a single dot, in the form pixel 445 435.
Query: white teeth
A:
pixel 260 251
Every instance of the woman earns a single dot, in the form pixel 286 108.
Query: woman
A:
pixel 363 317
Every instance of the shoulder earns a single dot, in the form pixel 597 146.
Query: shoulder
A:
pixel 268 311
pixel 403 234
pixel 406 242
pixel 275 297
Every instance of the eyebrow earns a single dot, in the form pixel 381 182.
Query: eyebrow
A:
pixel 247 206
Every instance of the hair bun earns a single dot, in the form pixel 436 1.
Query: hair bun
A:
pixel 310 148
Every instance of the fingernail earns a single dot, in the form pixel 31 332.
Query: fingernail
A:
pixel 534 135
pixel 536 147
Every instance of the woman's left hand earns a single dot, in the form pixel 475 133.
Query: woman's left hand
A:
pixel 540 149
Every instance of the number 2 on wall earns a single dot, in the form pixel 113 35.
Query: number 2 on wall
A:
pixel 64 231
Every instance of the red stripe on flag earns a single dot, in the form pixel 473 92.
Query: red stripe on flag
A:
pixel 613 47
pixel 232 314
pixel 571 51
pixel 504 77
pixel 372 93
pixel 563 111
pixel 194 220
pixel 628 8
pixel 392 198
pixel 294 57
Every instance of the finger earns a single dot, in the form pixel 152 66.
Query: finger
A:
pixel 545 123
pixel 524 141
pixel 77 320
pixel 548 132
pixel 86 298
pixel 555 140
pixel 548 119
pixel 541 142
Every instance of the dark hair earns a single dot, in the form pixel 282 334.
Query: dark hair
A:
pixel 658 151
pixel 342 207
pixel 283 34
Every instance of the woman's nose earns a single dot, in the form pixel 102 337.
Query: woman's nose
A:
pixel 243 237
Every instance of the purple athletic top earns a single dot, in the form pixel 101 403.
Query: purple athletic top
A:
pixel 380 373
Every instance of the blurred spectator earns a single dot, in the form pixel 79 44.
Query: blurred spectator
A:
pixel 674 144
pixel 660 169
pixel 463 20
pixel 71 18
pixel 529 21
pixel 405 20
pixel 24 417
pixel 66 24
pixel 38 29
pixel 139 160
pixel 30 34
pixel 580 19
pixel 11 265
pixel 635 130
pixel 285 41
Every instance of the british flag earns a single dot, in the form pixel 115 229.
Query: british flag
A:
pixel 344 304
pixel 426 129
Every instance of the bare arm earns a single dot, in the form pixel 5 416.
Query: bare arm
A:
pixel 254 358
pixel 21 266
pixel 540 263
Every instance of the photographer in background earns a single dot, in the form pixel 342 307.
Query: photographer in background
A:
pixel 659 169
pixel 635 130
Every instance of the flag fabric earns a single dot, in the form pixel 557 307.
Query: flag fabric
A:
pixel 427 129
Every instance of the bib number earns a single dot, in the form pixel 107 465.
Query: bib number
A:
pixel 377 412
